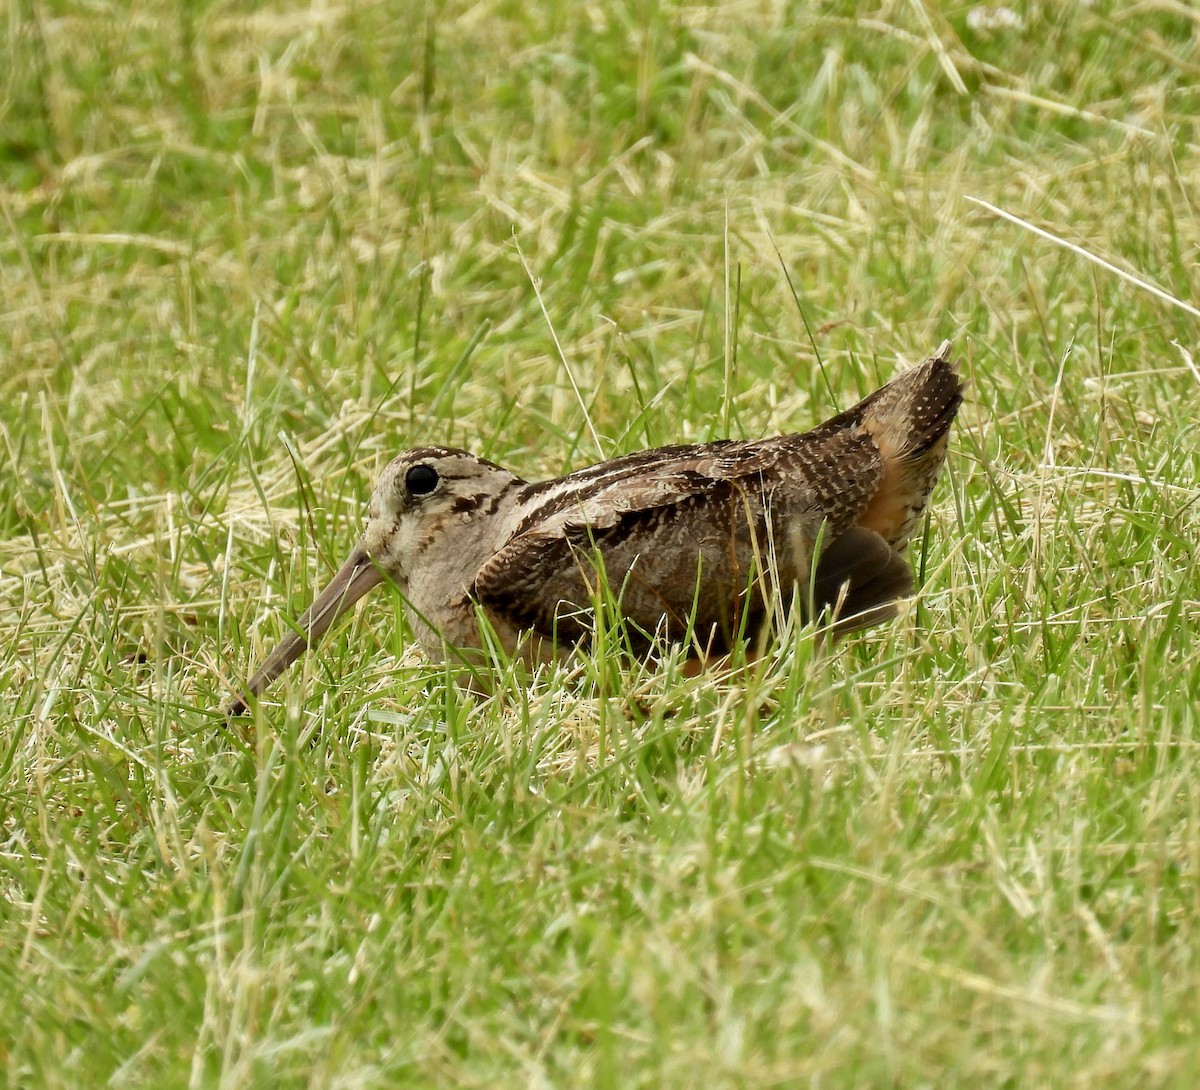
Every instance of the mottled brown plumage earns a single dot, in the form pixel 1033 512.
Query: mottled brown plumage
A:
pixel 702 542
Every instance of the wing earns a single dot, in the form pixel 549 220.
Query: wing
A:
pixel 699 535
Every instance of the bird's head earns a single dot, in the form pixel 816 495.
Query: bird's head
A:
pixel 419 494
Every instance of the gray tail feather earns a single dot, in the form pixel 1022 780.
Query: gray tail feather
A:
pixel 861 577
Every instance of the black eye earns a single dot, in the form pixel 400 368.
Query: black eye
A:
pixel 421 480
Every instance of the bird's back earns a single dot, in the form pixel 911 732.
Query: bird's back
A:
pixel 714 536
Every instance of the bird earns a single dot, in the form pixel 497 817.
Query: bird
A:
pixel 706 542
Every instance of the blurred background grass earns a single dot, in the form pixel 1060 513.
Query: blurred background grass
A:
pixel 250 251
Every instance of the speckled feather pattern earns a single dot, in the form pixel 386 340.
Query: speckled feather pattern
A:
pixel 704 536
pixel 703 540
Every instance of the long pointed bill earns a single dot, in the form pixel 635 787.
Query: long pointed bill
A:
pixel 353 579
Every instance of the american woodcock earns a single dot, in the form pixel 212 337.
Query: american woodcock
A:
pixel 704 542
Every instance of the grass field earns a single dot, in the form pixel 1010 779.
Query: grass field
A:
pixel 247 253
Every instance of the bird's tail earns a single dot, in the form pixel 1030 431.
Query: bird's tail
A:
pixel 909 420
pixel 913 412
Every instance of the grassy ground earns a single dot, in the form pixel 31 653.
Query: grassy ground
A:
pixel 247 254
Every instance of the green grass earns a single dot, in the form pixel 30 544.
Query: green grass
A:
pixel 247 254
